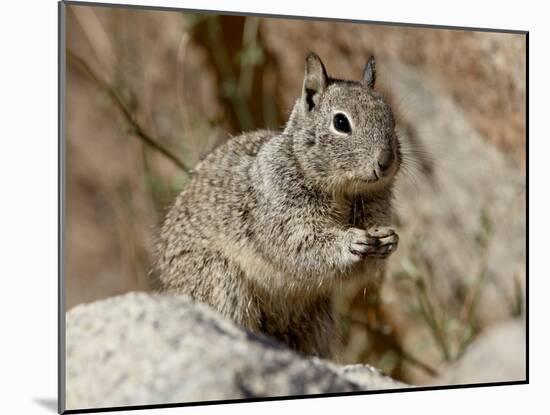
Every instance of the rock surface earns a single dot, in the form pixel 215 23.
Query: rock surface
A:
pixel 499 364
pixel 442 212
pixel 143 349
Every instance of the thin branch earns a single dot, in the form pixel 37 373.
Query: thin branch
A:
pixel 396 346
pixel 222 60
pixel 137 129
pixel 431 317
pixel 249 45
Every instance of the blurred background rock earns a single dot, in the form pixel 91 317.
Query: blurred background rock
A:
pixel 150 93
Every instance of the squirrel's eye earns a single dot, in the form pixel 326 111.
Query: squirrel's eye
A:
pixel 341 123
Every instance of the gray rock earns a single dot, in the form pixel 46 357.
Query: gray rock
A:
pixel 441 213
pixel 497 355
pixel 143 349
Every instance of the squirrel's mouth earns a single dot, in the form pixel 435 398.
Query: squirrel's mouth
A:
pixel 370 180
pixel 363 184
pixel 362 181
pixel 374 177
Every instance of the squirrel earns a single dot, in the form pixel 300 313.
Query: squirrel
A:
pixel 273 221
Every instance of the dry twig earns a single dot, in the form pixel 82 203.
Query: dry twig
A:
pixel 137 129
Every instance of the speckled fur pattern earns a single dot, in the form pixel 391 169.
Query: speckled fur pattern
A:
pixel 272 222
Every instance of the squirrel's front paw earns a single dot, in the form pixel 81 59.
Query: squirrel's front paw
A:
pixel 377 242
pixel 387 241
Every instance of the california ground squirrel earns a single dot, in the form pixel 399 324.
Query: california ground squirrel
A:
pixel 272 221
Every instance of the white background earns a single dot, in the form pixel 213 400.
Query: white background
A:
pixel 28 203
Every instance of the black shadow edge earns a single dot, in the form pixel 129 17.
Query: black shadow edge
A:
pixel 61 79
pixel 294 397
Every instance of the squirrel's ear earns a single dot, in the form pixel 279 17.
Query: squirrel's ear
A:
pixel 369 73
pixel 315 81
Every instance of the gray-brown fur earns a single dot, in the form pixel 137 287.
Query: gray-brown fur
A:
pixel 272 221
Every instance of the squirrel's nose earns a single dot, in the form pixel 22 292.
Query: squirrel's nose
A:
pixel 385 160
